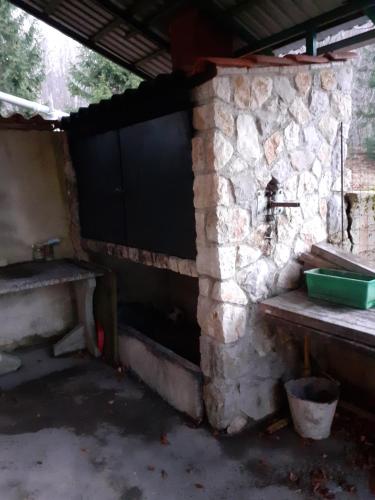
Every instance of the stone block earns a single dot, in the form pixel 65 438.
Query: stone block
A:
pixel 241 85
pixel 222 321
pixel 282 170
pixel 328 126
pixel 281 254
pixel 286 231
pixel 259 398
pixel 198 153
pixel 223 118
pixel 200 227
pixel 317 169
pixel 228 225
pixel 261 89
pixel 225 362
pixel 237 425
pixel 290 276
pixel 344 77
pixel 328 79
pixel 216 87
pixel 205 286
pixel 324 154
pixel 247 255
pixel 314 231
pixel 221 404
pixel 312 137
pixel 301 159
pixel 299 111
pixel 303 82
pixel 211 190
pixel 273 147
pixel 247 139
pixel 319 102
pixel 218 151
pixel 307 184
pixel 257 279
pixel 229 291
pixel 214 114
pixel 341 105
pixel 292 136
pixel 284 89
pixel 236 166
pixel 216 262
pixel 325 184
pixel 245 188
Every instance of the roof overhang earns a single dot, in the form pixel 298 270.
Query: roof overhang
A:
pixel 135 34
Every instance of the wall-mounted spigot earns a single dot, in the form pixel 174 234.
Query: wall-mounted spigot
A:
pixel 45 250
pixel 273 195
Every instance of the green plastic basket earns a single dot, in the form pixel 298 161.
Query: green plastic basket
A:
pixel 341 287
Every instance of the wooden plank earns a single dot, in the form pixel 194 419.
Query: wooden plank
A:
pixel 354 324
pixel 313 261
pixel 300 332
pixel 343 259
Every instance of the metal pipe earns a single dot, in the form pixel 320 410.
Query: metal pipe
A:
pixel 35 106
pixel 342 185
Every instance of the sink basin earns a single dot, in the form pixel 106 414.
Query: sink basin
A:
pixel 21 270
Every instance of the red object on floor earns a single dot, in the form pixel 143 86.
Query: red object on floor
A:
pixel 100 337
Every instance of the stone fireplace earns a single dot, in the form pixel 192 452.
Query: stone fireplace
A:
pixel 259 130
pixel 254 125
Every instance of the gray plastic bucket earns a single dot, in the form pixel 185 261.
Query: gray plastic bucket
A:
pixel 312 403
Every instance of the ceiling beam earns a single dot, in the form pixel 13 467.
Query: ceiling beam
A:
pixel 225 20
pixel 51 6
pixel 148 57
pixel 112 25
pixel 349 43
pixel 132 23
pixel 79 38
pixel 337 16
pixel 239 7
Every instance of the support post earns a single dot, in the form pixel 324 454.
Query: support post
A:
pixel 311 43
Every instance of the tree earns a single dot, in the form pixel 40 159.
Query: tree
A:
pixel 94 77
pixel 21 55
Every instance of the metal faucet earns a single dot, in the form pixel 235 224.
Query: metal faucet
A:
pixel 44 250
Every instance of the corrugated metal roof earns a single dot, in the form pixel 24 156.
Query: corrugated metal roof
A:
pixel 134 33
pixel 17 121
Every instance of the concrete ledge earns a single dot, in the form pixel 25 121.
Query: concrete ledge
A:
pixel 174 378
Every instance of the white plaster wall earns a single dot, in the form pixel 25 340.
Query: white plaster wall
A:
pixel 31 316
pixel 33 208
pixel 32 205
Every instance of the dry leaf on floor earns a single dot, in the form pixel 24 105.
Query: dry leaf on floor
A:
pixel 164 439
pixel 199 486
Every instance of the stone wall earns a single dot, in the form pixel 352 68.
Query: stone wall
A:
pixel 252 125
pixel 361 210
pixel 186 267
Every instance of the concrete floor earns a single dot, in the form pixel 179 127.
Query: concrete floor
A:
pixel 83 433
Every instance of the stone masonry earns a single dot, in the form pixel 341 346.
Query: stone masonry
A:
pixel 252 125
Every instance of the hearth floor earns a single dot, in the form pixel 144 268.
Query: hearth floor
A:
pixel 86 432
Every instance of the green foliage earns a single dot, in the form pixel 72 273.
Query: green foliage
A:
pixel 21 56
pixel 94 77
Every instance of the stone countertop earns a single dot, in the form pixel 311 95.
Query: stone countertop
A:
pixel 29 275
